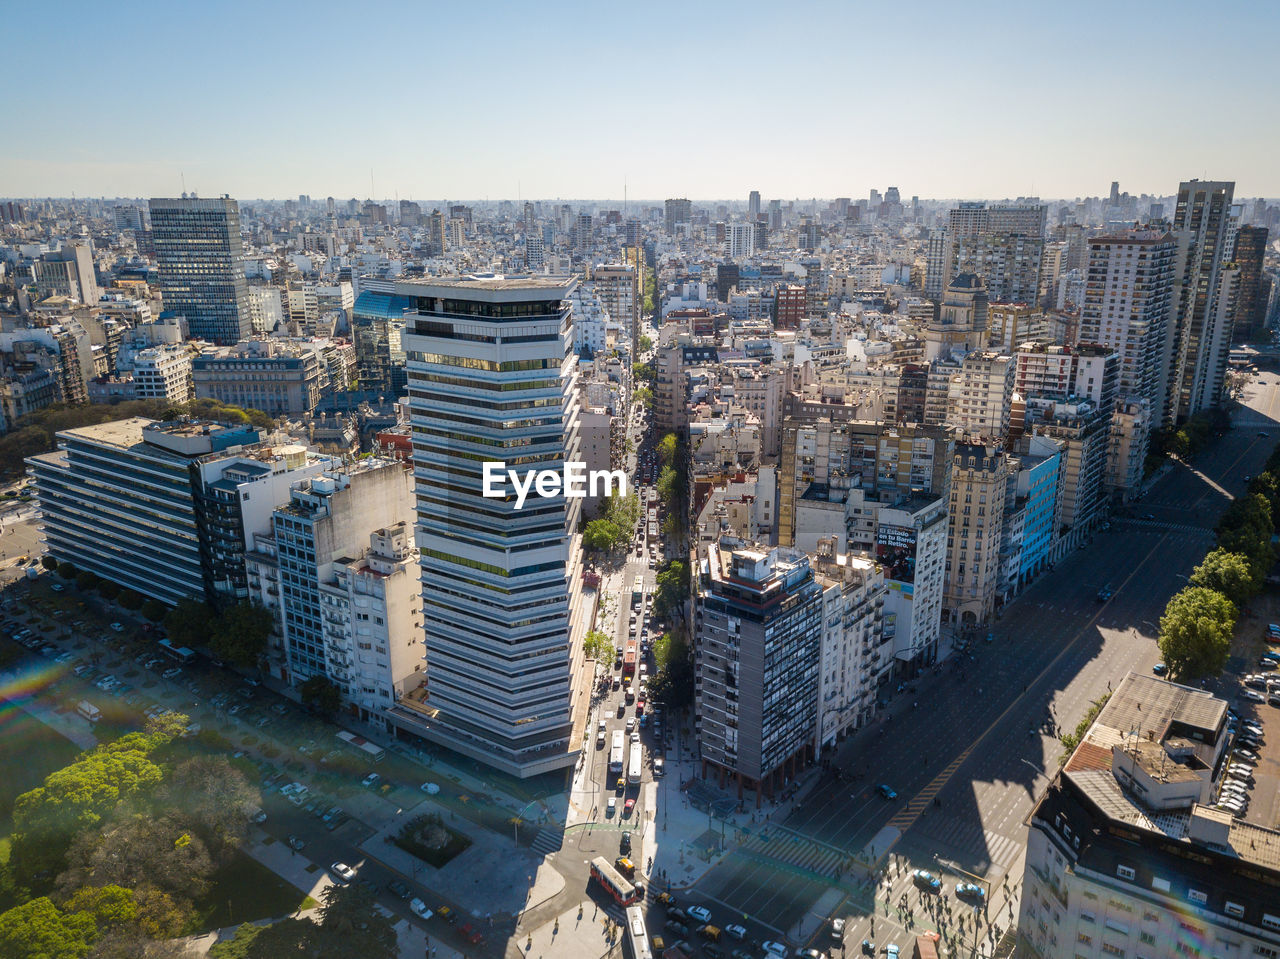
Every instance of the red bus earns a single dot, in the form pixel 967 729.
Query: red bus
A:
pixel 629 660
pixel 620 888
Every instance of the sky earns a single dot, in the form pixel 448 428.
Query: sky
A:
pixel 567 100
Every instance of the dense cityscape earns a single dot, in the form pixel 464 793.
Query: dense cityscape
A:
pixel 455 568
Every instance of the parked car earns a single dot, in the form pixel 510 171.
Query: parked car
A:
pixel 398 889
pixel 342 873
pixel 419 909
pixel 370 780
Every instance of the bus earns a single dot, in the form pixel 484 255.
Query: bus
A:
pixel 623 892
pixel 629 660
pixel 634 762
pixel 179 653
pixel 637 935
pixel 637 589
pixel 615 752
pixel 371 751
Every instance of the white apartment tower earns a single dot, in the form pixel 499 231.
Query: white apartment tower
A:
pixel 491 373
pixel 1127 308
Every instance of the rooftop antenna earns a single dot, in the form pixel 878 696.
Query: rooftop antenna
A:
pixel 371 189
pixel 183 175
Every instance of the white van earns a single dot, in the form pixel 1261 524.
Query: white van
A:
pixel 89 711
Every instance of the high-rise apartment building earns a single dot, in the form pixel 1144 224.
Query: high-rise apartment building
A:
pixel 1251 301
pixel 1003 244
pixel 740 240
pixel 753 205
pixel 677 211
pixel 1127 308
pixel 492 378
pixel 163 373
pixel 200 261
pixel 757 653
pixel 979 486
pixel 1204 297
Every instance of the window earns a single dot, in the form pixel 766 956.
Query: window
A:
pixel 1270 921
pixel 1234 909
pixel 1196 896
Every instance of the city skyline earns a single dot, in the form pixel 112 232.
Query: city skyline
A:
pixel 863 103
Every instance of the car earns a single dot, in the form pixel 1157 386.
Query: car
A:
pixel 172 673
pixel 777 948
pixel 1249 742
pixel 886 791
pixel 118 627
pixel 678 929
pixel 447 914
pixel 624 842
pixel 419 909
pixel 1248 754
pixel 296 842
pixel 891 951
pixel 665 899
pixel 431 789
pixel 1256 680
pixel 629 805
pixel 370 780
pixel 968 890
pixel 736 932
pixel 1105 594
pixel 611 806
pixel 810 954
pixel 926 880
pixel 1159 669
pixel 342 873
pixel 700 913
pixel 1252 696
pixel 837 929
pixel 712 951
pixel 868 947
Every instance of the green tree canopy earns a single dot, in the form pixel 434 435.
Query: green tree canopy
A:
pixel 673 588
pixel 643 396
pixel 598 646
pixel 1195 632
pixel 1228 573
pixel 40 930
pixel 240 634
pixel 602 536
pixel 321 695
pixel 646 344
pixel 642 372
pixel 190 623
pixel 668 446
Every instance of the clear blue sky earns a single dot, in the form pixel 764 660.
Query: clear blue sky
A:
pixel 707 100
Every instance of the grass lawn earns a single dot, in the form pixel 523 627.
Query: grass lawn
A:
pixel 251 891
pixel 32 751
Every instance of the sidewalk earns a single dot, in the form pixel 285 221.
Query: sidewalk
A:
pixel 580 932
pixel 489 877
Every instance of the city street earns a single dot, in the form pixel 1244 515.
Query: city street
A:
pixel 969 759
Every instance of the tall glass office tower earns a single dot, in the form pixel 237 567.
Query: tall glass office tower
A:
pixel 201 265
pixel 491 375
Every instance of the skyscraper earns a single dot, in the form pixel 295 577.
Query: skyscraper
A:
pixel 200 260
pixel 753 205
pixel 492 377
pixel 1204 296
pixel 1251 304
pixel 1127 307
pixel 677 211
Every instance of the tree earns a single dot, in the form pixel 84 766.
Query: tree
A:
pixel 212 793
pixel 1267 485
pixel 1246 527
pixel 1228 573
pixel 67 570
pixel 673 686
pixel 108 589
pixel 240 634
pixel 642 372
pixel 1195 632
pixel 130 599
pixel 644 396
pixel 48 562
pixel 40 930
pixel 646 344
pixel 667 484
pixel 598 646
pixel 351 926
pixel 321 695
pixel 190 623
pixel 142 851
pixel 602 536
pixel 673 588
pixel 153 610
pixel 668 446
pixel 86 580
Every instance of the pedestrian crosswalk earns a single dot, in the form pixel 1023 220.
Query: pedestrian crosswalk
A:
pixel 965 840
pixel 916 805
pixel 1159 524
pixel 548 840
pixel 783 847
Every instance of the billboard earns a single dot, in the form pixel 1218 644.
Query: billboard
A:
pixel 896 551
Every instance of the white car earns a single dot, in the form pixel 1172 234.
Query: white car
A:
pixel 701 913
pixel 777 948
pixel 1252 696
pixel 737 932
pixel 342 873
pixel 118 627
pixel 611 806
pixel 419 909
pixel 430 789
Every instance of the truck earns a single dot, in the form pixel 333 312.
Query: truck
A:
pixel 371 751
